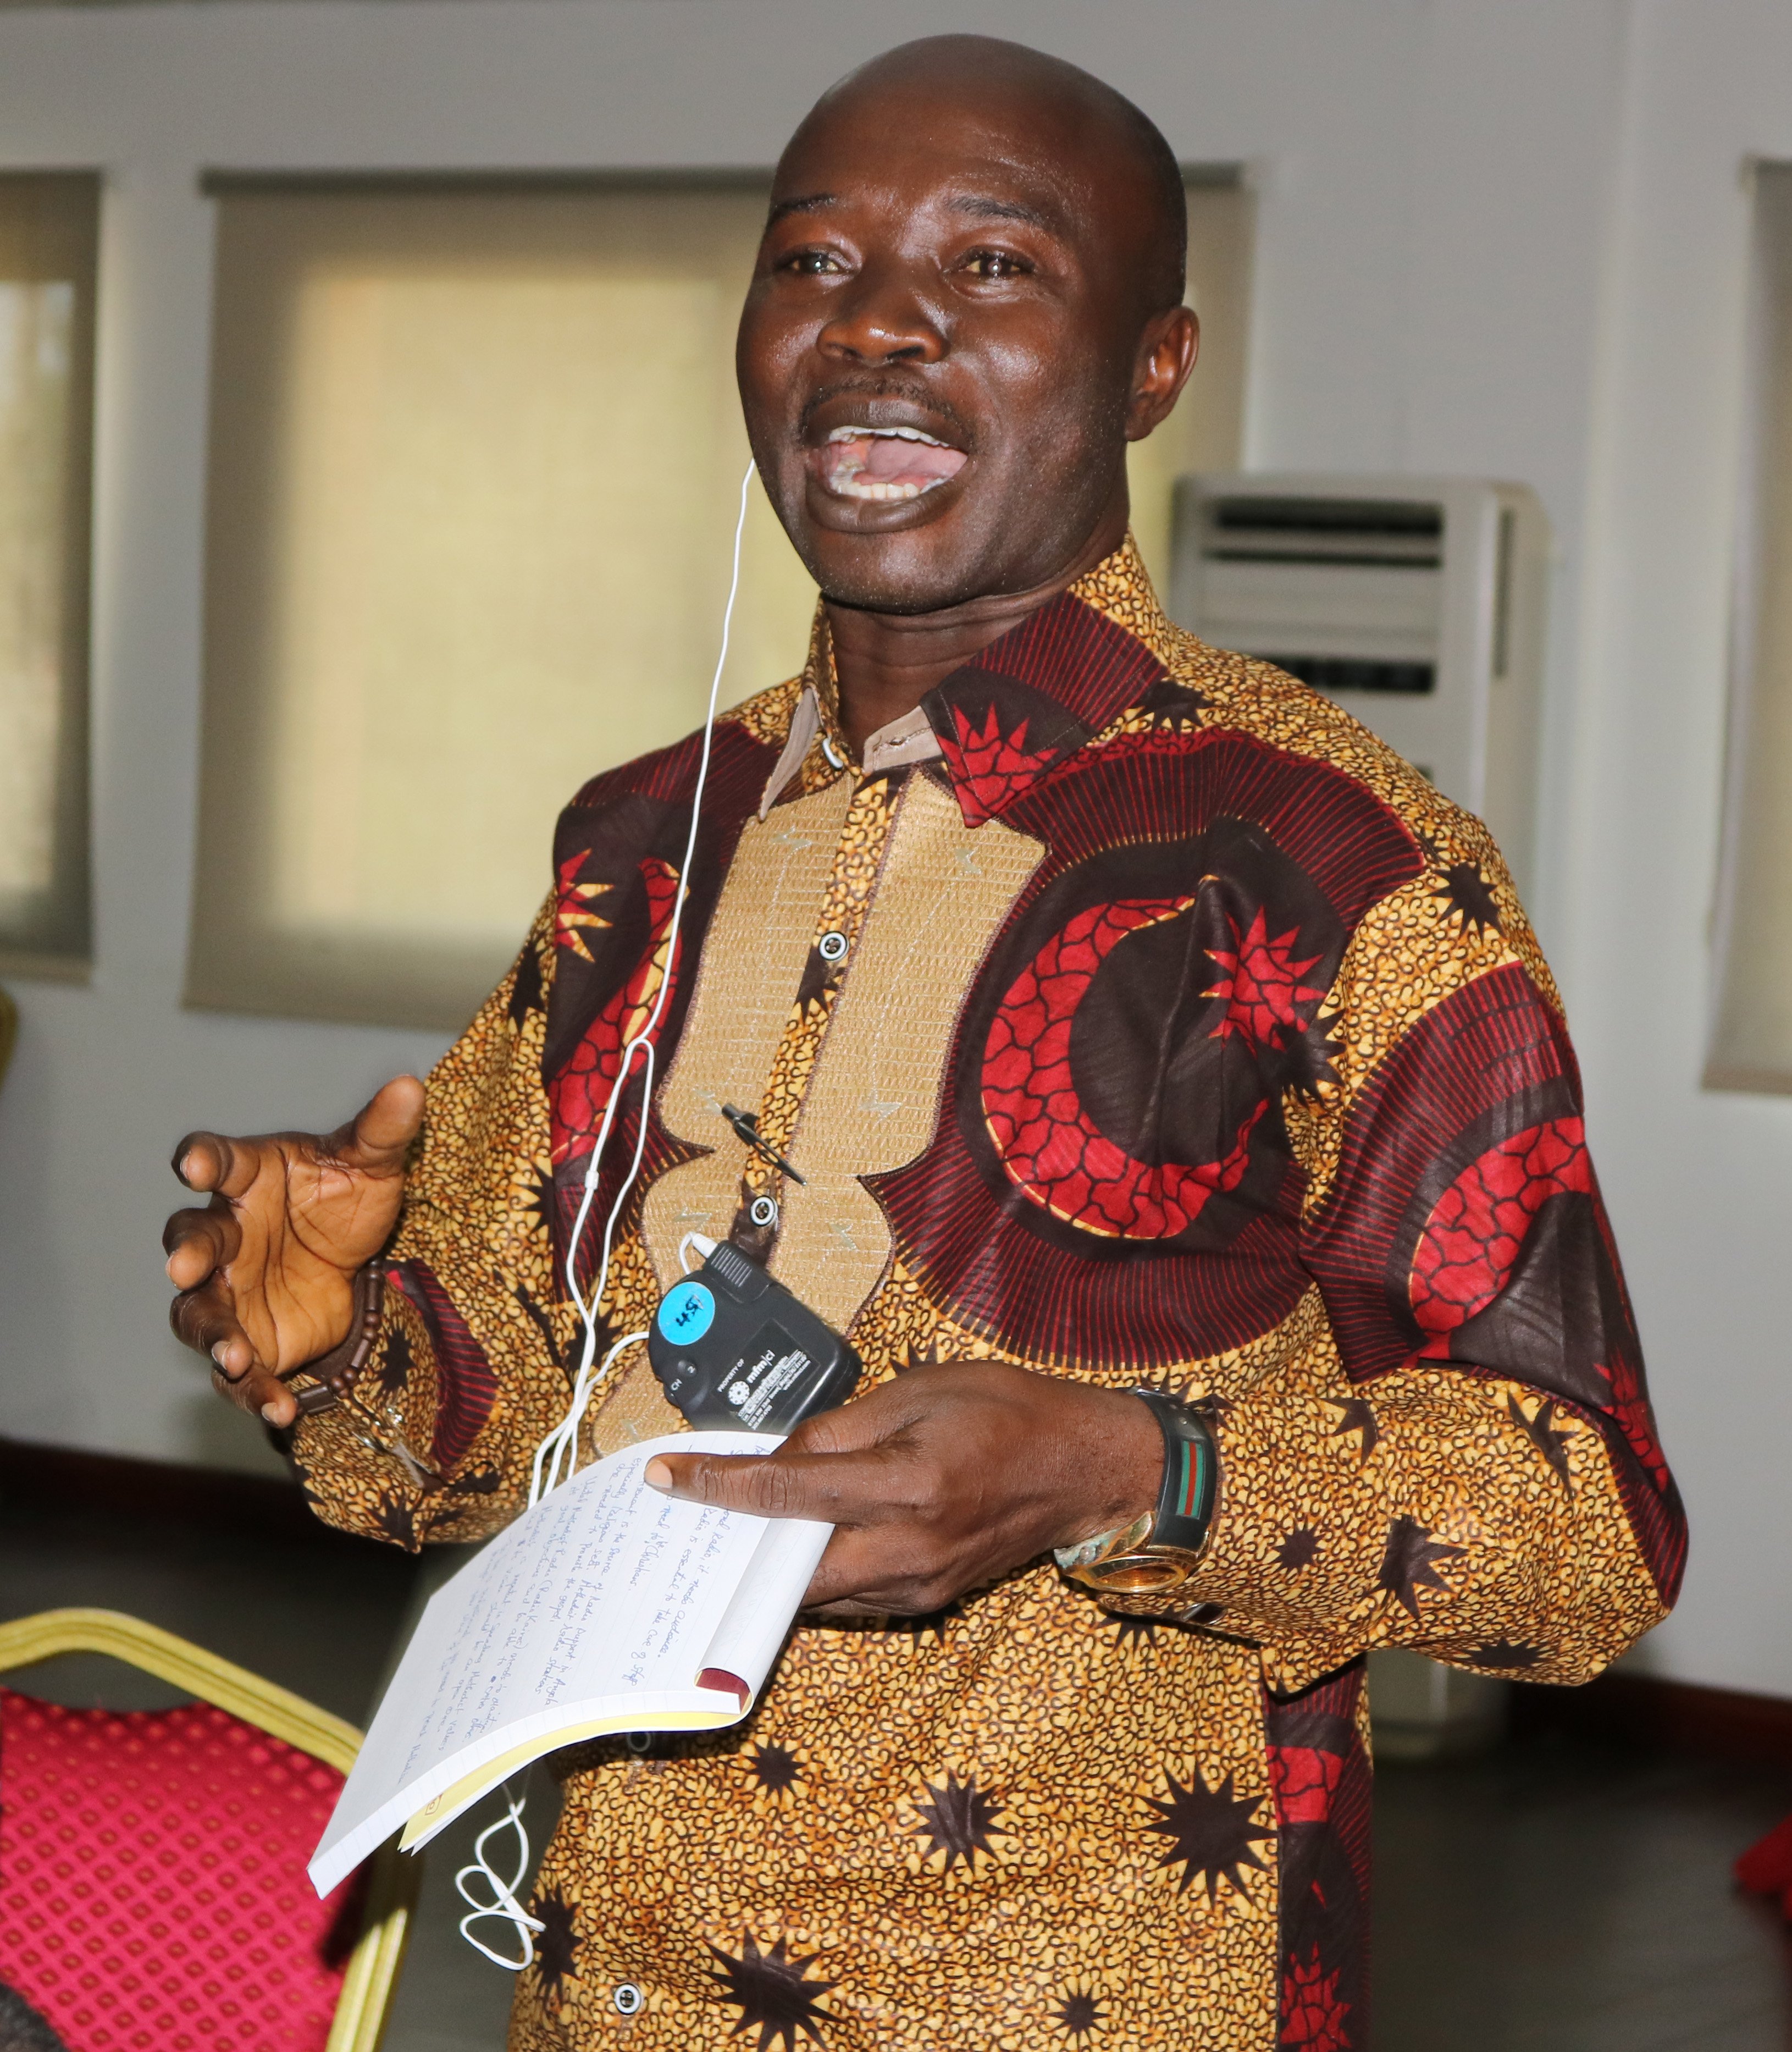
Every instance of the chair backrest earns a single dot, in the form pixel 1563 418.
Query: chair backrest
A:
pixel 152 1863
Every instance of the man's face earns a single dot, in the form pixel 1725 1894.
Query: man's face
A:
pixel 937 350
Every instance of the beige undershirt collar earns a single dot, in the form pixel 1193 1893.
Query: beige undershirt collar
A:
pixel 893 746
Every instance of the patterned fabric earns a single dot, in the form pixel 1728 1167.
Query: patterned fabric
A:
pixel 153 1895
pixel 1180 1032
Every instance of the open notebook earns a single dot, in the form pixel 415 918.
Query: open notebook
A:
pixel 606 1607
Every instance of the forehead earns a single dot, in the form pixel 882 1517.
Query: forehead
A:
pixel 902 147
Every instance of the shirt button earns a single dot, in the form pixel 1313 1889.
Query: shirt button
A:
pixel 628 1999
pixel 831 947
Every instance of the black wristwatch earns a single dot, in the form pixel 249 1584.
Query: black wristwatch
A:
pixel 1146 1563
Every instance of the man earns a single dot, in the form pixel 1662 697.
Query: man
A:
pixel 1135 1021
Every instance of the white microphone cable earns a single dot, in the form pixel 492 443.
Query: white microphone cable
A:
pixel 559 1450
pixel 563 1437
pixel 503 1905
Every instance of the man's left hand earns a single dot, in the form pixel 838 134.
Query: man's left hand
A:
pixel 941 1480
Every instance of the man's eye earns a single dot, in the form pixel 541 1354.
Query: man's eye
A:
pixel 995 263
pixel 811 263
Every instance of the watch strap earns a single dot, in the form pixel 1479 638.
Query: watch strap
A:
pixel 1186 1497
pixel 1156 1551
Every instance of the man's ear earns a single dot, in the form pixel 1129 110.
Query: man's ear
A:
pixel 1168 348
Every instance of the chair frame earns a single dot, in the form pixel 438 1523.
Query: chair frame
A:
pixel 372 1976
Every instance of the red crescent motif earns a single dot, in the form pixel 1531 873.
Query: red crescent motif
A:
pixel 582 1089
pixel 1305 1780
pixel 1471 1241
pixel 1048 1145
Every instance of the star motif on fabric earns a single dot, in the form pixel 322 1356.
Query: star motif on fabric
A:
pixel 476 1481
pixel 525 992
pixel 1313 2017
pixel 1504 1654
pixel 1356 1414
pixel 774 1769
pixel 1299 1549
pixel 1411 1561
pixel 395 1361
pixel 557 1944
pixel 1173 706
pixel 1539 1429
pixel 394 1518
pixel 958 1822
pixel 1079 2014
pixel 1212 1833
pixel 532 1196
pixel 572 916
pixel 1469 897
pixel 1263 987
pixel 542 1323
pixel 921 1354
pixel 772 1993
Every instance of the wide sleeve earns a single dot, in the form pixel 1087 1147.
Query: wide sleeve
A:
pixel 1456 1453
pixel 470 1365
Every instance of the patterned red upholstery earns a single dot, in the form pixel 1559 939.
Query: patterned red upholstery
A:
pixel 153 1895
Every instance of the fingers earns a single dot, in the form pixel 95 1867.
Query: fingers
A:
pixel 260 1391
pixel 379 1137
pixel 204 1320
pixel 208 1162
pixel 198 1242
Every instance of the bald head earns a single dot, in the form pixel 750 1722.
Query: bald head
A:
pixel 967 301
pixel 1108 139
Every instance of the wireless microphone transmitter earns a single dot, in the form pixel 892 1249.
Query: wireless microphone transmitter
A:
pixel 737 1353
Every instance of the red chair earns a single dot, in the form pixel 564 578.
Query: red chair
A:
pixel 153 1896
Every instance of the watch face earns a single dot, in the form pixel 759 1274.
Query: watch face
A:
pixel 1131 1573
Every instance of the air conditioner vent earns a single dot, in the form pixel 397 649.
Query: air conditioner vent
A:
pixel 1416 603
pixel 1332 674
pixel 1385 533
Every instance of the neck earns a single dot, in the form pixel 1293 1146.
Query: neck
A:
pixel 888 663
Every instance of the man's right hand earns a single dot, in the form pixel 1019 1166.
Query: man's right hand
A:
pixel 266 1270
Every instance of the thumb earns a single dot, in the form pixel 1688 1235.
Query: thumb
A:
pixel 781 1485
pixel 379 1136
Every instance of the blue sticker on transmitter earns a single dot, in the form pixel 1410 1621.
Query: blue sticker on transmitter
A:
pixel 687 1312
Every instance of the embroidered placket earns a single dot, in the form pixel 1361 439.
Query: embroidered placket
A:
pixel 852 881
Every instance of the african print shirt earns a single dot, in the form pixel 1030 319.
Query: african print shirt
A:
pixel 1135 1016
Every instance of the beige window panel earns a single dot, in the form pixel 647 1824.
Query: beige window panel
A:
pixel 476 449
pixel 1752 1034
pixel 49 226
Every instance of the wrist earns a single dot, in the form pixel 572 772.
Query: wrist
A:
pixel 1157 1550
pixel 331 1377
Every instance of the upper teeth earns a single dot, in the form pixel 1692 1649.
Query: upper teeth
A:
pixel 901 434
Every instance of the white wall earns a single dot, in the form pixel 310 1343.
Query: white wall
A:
pixel 1495 236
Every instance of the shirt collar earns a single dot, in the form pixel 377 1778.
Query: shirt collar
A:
pixel 1027 702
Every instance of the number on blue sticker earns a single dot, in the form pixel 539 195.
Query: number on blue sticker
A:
pixel 687 1312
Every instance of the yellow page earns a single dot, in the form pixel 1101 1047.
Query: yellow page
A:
pixel 436 1816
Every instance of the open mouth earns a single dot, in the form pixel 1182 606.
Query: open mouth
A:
pixel 887 462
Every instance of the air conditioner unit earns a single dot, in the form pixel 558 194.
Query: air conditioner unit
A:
pixel 1416 603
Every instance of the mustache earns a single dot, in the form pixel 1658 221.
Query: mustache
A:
pixel 884 385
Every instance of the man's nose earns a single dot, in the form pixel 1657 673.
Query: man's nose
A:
pixel 882 319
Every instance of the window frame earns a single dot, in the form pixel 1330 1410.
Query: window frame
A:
pixel 49 935
pixel 1766 401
